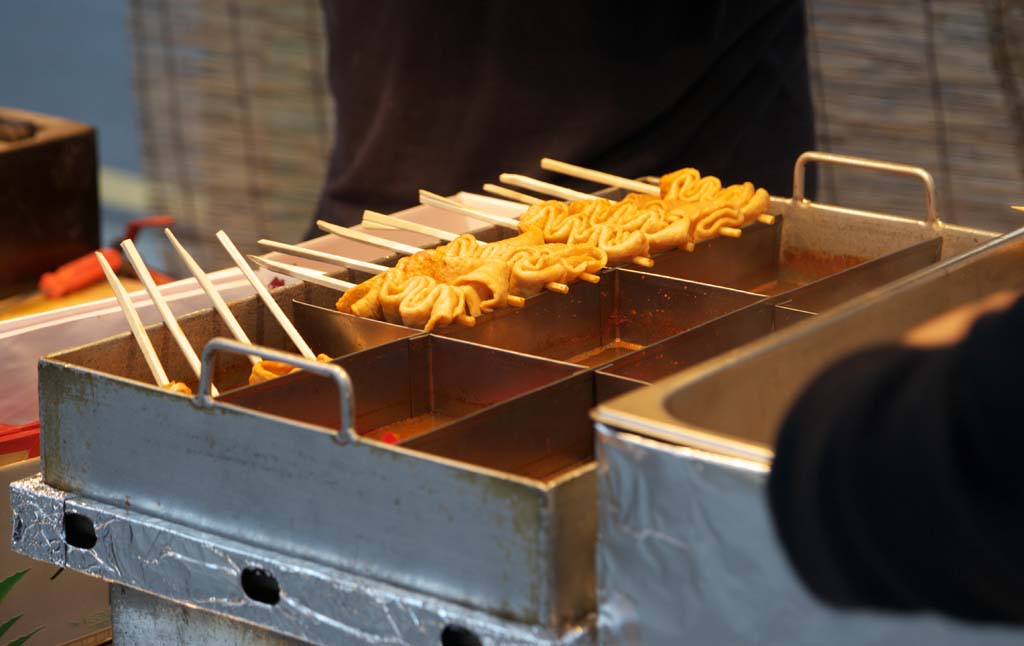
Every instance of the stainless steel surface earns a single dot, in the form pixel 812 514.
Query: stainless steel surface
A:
pixel 704 342
pixel 141 618
pixel 540 435
pixel 485 512
pixel 37 521
pixel 691 408
pixel 410 387
pixel 688 555
pixel 799 172
pixel 204 571
pixel 846 285
pixel 346 426
pixel 336 334
pixel 329 332
pixel 272 472
pixel 595 323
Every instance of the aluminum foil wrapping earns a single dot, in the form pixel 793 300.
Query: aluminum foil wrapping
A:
pixel 317 604
pixel 37 520
pixel 687 554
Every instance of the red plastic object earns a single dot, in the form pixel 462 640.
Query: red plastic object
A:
pixel 77 274
pixel 389 438
pixel 86 270
pixel 19 439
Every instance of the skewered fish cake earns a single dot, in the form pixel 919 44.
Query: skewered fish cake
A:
pixel 267 369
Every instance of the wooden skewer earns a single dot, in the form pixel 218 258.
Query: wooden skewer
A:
pixel 323 256
pixel 545 188
pixel 589 277
pixel 317 278
pixel 305 274
pixel 515 301
pixel 598 177
pixel 643 261
pixel 165 311
pixel 731 232
pixel 395 223
pixel 765 218
pixel 368 238
pixel 211 291
pixel 441 202
pixel 135 324
pixel 406 249
pixel 1019 208
pixel 264 294
pixel 512 195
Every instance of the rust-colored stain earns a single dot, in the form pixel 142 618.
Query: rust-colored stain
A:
pixel 812 265
pixel 802 266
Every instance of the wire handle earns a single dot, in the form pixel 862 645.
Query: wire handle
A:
pixel 346 433
pixel 799 173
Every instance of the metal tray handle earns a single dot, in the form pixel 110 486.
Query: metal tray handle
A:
pixel 346 433
pixel 859 162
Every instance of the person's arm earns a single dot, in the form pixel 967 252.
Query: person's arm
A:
pixel 897 481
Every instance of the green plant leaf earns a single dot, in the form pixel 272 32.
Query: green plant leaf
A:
pixel 21 640
pixel 7 625
pixel 8 583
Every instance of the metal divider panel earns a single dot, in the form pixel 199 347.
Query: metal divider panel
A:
pixel 651 308
pixel 697 345
pixel 740 263
pixel 844 286
pixel 786 316
pixel 594 324
pixel 556 326
pixel 466 377
pixel 608 386
pixel 330 332
pixel 537 435
pixel 390 383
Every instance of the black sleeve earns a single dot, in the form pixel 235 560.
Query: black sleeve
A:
pixel 898 480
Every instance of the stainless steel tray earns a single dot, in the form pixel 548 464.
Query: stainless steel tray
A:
pixel 490 513
pixel 683 463
pixel 594 324
pixel 327 331
pixel 704 342
pixel 477 536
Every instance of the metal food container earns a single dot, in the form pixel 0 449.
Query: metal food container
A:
pixel 704 342
pixel 686 543
pixel 595 323
pixel 326 330
pixel 283 505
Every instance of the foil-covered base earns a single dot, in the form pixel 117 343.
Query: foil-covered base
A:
pixel 313 603
pixel 687 552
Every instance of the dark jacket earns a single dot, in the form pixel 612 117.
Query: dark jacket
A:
pixel 898 480
pixel 445 96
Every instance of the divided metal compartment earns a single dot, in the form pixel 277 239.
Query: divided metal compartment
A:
pixel 594 324
pixel 516 546
pixel 704 342
pixel 488 499
pixel 327 331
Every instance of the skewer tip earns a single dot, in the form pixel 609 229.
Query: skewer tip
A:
pixel 765 218
pixel 589 277
pixel 730 232
pixel 560 288
pixel 643 261
pixel 515 301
